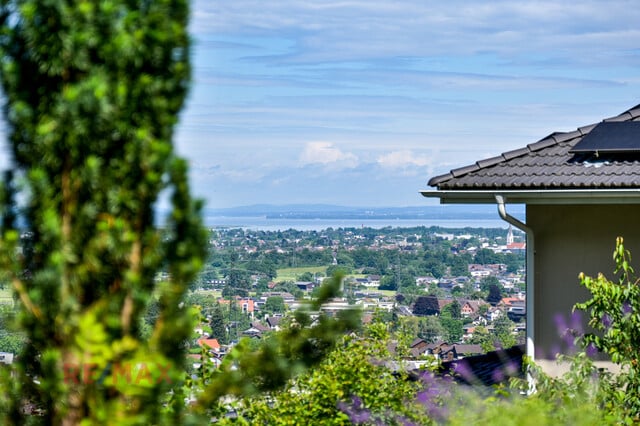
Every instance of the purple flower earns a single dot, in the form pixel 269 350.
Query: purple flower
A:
pixel 570 341
pixel 591 350
pixel 356 412
pixel 627 308
pixel 606 320
pixel 511 368
pixel 497 375
pixel 462 368
pixel 576 323
pixel 561 324
pixel 426 396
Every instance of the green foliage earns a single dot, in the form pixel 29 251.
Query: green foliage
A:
pixel 430 329
pixel 486 256
pixel 452 310
pixel 218 324
pixel 352 370
pixel 426 305
pixel 487 282
pixel 495 294
pixel 275 304
pixel 338 269
pixel 245 373
pixel 453 329
pixel 613 311
pixel 503 329
pixel 92 92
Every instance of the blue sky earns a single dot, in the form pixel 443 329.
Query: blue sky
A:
pixel 359 103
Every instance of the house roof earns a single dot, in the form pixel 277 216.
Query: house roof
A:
pixel 211 343
pixel 547 165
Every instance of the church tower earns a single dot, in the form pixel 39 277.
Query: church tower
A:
pixel 510 235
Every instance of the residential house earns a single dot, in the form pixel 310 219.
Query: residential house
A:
pixel 274 322
pixel 245 304
pixel 288 298
pixel 305 285
pixel 581 190
pixel 418 348
pixel 211 344
pixel 426 280
pixel 493 313
pixel 374 280
pixel 444 302
pixel 471 308
pixel 446 352
pixel 256 330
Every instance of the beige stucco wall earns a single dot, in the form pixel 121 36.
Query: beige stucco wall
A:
pixel 570 239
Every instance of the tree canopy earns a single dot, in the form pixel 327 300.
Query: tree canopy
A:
pixel 92 93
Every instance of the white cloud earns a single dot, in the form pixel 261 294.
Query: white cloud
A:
pixel 403 159
pixel 325 153
pixel 338 30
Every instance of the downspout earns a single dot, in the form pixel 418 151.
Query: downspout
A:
pixel 529 278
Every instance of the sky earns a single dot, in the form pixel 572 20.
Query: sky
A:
pixel 360 102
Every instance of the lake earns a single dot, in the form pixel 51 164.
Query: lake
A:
pixel 262 223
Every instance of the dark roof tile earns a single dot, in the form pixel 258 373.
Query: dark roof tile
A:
pixel 549 164
pixel 586 129
pixel 563 137
pixel 515 153
pixel 541 144
pixel 490 161
pixel 622 117
pixel 635 111
pixel 464 170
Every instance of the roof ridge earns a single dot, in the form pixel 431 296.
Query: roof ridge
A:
pixel 546 142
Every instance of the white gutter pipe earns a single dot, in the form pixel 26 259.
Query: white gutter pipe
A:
pixel 529 278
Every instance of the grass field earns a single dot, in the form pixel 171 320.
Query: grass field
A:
pixel 290 274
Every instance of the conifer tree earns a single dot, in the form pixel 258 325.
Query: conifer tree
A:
pixel 92 92
pixel 218 324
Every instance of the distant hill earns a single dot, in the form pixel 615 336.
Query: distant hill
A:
pixel 325 211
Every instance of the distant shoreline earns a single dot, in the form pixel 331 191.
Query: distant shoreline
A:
pixel 265 223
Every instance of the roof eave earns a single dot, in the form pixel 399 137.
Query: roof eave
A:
pixel 542 196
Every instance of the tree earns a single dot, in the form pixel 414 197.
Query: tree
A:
pixel 426 305
pixel 452 310
pixel 430 329
pixel 305 276
pixel 348 376
pixel 613 313
pixel 482 336
pixel 237 283
pixel 503 329
pixel 388 282
pixel 486 256
pixel 340 269
pixel 275 304
pixel 487 282
pixel 453 329
pixel 218 324
pixel 495 295
pixel 435 268
pixel 460 266
pixel 92 93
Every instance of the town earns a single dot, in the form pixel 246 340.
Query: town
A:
pixel 456 292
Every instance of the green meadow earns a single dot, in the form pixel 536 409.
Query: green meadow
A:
pixel 291 274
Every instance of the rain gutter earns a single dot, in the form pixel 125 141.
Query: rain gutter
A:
pixel 538 196
pixel 502 211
